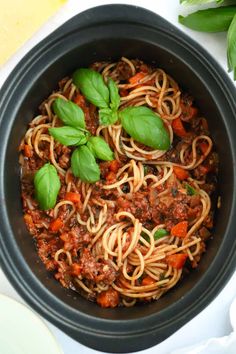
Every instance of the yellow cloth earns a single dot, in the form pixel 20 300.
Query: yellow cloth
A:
pixel 19 19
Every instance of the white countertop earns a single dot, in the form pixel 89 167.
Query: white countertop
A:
pixel 214 320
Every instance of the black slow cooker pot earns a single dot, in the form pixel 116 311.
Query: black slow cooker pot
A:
pixel 107 33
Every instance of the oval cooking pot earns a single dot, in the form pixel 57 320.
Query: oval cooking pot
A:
pixel 107 33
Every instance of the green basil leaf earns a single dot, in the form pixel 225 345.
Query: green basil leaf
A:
pixel 210 20
pixel 100 148
pixel 114 94
pixel 107 116
pixel 198 2
pixel 231 51
pixel 144 126
pixel 160 233
pixel 68 136
pixel 84 165
pixel 47 185
pixel 190 190
pixel 92 86
pixel 69 113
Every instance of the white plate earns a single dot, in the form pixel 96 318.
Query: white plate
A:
pixel 22 331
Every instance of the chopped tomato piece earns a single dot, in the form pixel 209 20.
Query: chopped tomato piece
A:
pixel 75 269
pixel 204 147
pixel 80 100
pixel 180 229
pixel 178 128
pixel 73 197
pixel 114 166
pixel 176 260
pixel 111 176
pixel 134 80
pixel 148 281
pixel 56 225
pixel 108 298
pixel 180 173
pixel 27 151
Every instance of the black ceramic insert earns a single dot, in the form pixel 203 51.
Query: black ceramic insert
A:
pixel 107 33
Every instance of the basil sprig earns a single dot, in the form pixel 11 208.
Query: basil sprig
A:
pixel 210 20
pixel 144 126
pixel 84 166
pixel 231 51
pixel 69 113
pixel 68 135
pixel 105 97
pixel 47 185
pixel 100 148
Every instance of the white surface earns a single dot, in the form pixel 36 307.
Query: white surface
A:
pixel 27 339
pixel 214 320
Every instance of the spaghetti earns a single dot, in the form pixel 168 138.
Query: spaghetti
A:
pixel 131 236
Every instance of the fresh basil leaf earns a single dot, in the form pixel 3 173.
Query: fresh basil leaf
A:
pixel 144 126
pixel 100 148
pixel 190 190
pixel 107 116
pixel 47 185
pixel 231 51
pixel 69 113
pixel 210 20
pixel 198 2
pixel 114 94
pixel 92 86
pixel 160 233
pixel 84 165
pixel 68 136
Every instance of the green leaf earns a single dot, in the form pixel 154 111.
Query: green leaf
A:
pixel 84 165
pixel 92 86
pixel 69 113
pixel 210 20
pixel 100 148
pixel 231 51
pixel 47 185
pixel 160 233
pixel 68 136
pixel 114 95
pixel 190 190
pixel 107 116
pixel 144 126
pixel 198 2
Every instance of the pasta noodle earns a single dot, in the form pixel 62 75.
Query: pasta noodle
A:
pixel 131 236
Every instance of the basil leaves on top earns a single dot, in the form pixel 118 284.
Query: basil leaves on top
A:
pixel 84 166
pixel 144 126
pixel 47 185
pixel 83 160
pixel 69 113
pixel 141 123
pixel 105 97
